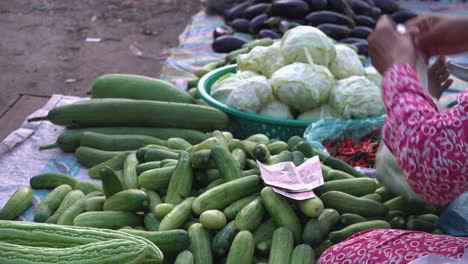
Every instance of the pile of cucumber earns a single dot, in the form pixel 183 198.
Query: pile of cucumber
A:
pixel 345 21
pixel 205 203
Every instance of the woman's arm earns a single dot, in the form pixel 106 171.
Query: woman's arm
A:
pixel 431 147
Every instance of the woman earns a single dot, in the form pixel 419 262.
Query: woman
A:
pixel 431 147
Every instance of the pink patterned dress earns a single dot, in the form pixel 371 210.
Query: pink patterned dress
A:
pixel 432 151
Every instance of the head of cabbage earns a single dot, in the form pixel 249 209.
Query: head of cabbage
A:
pixel 250 94
pixel 263 60
pixel 373 75
pixel 296 40
pixel 356 97
pixel 346 63
pixel 276 109
pixel 321 112
pixel 302 86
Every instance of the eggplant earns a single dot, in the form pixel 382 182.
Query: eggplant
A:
pixel 366 21
pixel 268 33
pixel 403 15
pixel 240 25
pixel 387 6
pixel 254 2
pixel 273 22
pixel 295 20
pixel 362 47
pixel 375 13
pixel 361 7
pixel 221 31
pixel 316 5
pixel 351 40
pixel 341 6
pixel 290 8
pixel 334 31
pixel 255 10
pixel 227 43
pixel 235 11
pixel 286 25
pixel 370 2
pixel 360 32
pixel 321 17
pixel 258 23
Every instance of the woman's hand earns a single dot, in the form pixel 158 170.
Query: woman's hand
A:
pixel 388 47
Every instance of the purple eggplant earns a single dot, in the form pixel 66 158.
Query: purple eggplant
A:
pixel 316 5
pixel 321 17
pixel 387 6
pixel 227 43
pixel 221 31
pixel 403 15
pixel 334 31
pixel 240 25
pixel 290 8
pixel 375 13
pixel 258 23
pixel 255 10
pixel 295 20
pixel 286 25
pixel 360 32
pixel 351 40
pixel 254 2
pixel 341 6
pixel 235 11
pixel 361 7
pixel 366 21
pixel 273 22
pixel 362 47
pixel 268 33
pixel 370 2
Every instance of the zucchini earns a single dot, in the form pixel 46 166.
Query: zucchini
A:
pixel 129 176
pixel 110 182
pixel 242 248
pixel 338 164
pixel 180 184
pixel 281 212
pixel 251 216
pixel 317 229
pixel 312 207
pixel 356 187
pixel 51 180
pixel 90 157
pixel 107 219
pixel 184 257
pixel 115 163
pixel 88 187
pixel 71 198
pixel 170 242
pixel 346 203
pixel 95 204
pixel 51 202
pixel 18 203
pixel 163 209
pixel 264 231
pixel 200 246
pixel 338 236
pixel 118 142
pixel 213 219
pixel 74 210
pixel 231 211
pixel 151 222
pixel 156 179
pixel 128 200
pixel 140 168
pixel 349 219
pixel 222 240
pixel 222 195
pixel 226 164
pixel 177 216
pixel 303 254
pixel 281 246
pixel 125 112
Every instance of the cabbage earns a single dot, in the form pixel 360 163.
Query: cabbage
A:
pixel 318 113
pixel 264 60
pixel 251 94
pixel 246 74
pixel 356 97
pixel 276 109
pixel 373 75
pixel 302 86
pixel 229 80
pixel 319 46
pixel 346 63
pixel 222 94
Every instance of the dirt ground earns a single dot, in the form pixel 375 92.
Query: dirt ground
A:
pixel 44 51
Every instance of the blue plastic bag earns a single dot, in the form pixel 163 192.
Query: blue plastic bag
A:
pixel 454 219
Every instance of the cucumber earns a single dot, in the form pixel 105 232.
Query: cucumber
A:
pixel 398 222
pixel 151 222
pixel 251 172
pixel 264 247
pixel 318 250
pixel 118 142
pixel 251 216
pixel 221 196
pixel 398 203
pixel 74 210
pixel 312 207
pixel 356 187
pixel 107 219
pixel 338 236
pixel 349 219
pixel 373 196
pixel 184 257
pixel 282 246
pixel 201 159
pixel 153 197
pixel 334 175
pixel 177 216
pixel 277 147
pixel 148 166
pixel 226 164
pixel 71 198
pixel 156 179
pixel 170 242
pixel 51 180
pixel 204 177
pixel 231 211
pixel 281 212
pixel 305 148
pixel 213 219
pixel 110 182
pixel 88 187
pixel 393 213
pixel 384 193
pixel 239 155
pixel 298 158
pixel 125 112
pixel 19 201
pixel 261 153
pixel 420 225
pixel 90 157
pixel 293 141
pixel 178 143
pixel 325 171
pixel 242 248
pixel 338 164
pixel 51 202
pixel 251 164
pixel 129 176
pixel 159 154
pixel 95 204
pixel 180 184
pixel 317 229
pixel 284 156
pixel 128 200
pixel 259 138
pixel 346 203
pixel 264 231
pixel 163 209
pixel 115 163
pixel 222 240
pixel 200 246
pixel 428 217
pixel 138 87
pixel 303 254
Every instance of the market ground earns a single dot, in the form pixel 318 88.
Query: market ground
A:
pixel 44 51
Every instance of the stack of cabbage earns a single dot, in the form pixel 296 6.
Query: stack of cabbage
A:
pixel 303 76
